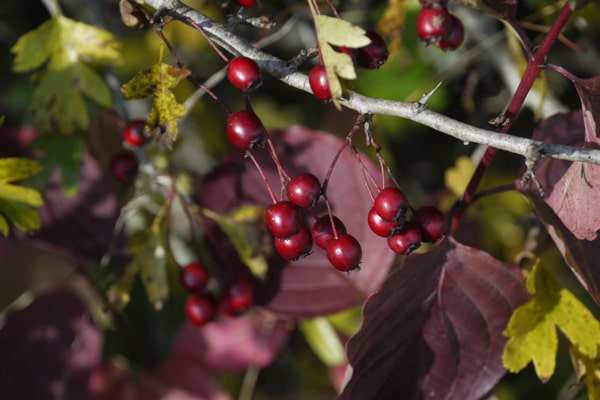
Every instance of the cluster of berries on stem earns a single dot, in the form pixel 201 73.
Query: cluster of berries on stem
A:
pixel 438 27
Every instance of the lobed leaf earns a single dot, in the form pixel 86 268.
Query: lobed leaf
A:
pixel 15 169
pixel 35 47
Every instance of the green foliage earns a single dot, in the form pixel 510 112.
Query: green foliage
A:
pixel 532 328
pixel 323 340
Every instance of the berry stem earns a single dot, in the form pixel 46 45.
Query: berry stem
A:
pixel 208 39
pixel 348 141
pixel 262 175
pixel 367 176
pixel 283 175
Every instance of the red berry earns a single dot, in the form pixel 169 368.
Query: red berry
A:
pixel 295 246
pixel 283 219
pixel 244 130
pixel 245 3
pixel 237 297
pixel 391 204
pixel 304 190
pixel 455 36
pixel 244 74
pixel 193 277
pixel 319 84
pixel 322 232
pixel 373 55
pixel 200 308
pixel 134 133
pixel 406 240
pixel 433 24
pixel 380 226
pixel 431 223
pixel 124 166
pixel 344 253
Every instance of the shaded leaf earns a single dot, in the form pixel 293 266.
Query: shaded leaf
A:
pixel 323 340
pixel 25 218
pixel 434 329
pixel 152 265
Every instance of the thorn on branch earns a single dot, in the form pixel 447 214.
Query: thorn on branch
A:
pixel 529 175
pixel 499 121
pixel 261 22
pixel 421 105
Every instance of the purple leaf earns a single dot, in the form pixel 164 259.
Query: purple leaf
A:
pixel 434 329
pixel 311 286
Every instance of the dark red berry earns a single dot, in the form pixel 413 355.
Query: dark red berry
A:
pixel 245 3
pixel 433 24
pixel 430 221
pixel 238 296
pixel 283 219
pixel 319 84
pixel 406 240
pixel 304 190
pixel 322 232
pixel 200 308
pixel 124 166
pixel 134 133
pixel 244 130
pixel 380 226
pixel 344 253
pixel 373 55
pixel 193 277
pixel 391 204
pixel 295 246
pixel 455 36
pixel 244 74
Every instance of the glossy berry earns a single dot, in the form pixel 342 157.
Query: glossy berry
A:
pixel 245 3
pixel 304 190
pixel 431 223
pixel 200 308
pixel 193 277
pixel 380 226
pixel 283 219
pixel 391 204
pixel 295 246
pixel 373 55
pixel 406 240
pixel 322 232
pixel 455 36
pixel 124 166
pixel 433 24
pixel 319 84
pixel 244 74
pixel 134 133
pixel 244 130
pixel 344 253
pixel 237 297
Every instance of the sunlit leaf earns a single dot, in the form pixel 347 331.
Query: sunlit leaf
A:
pixel 323 340
pixel 532 328
pixel 457 178
pixel 15 169
pixel 588 371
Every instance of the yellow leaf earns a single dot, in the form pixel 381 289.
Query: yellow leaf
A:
pixel 35 47
pixel 457 178
pixel 391 24
pixel 14 169
pixel 91 44
pixel 588 370
pixel 21 194
pixel 24 217
pixel 4 226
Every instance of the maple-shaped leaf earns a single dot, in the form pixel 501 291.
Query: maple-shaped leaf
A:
pixel 434 328
pixel 157 82
pixel 532 328
pixel 16 201
pixel 337 32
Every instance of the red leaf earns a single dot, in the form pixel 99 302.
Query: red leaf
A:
pixel 311 286
pixel 434 329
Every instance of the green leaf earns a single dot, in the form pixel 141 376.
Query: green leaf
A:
pixel 323 340
pixel 152 264
pixel 63 153
pixel 36 46
pixel 587 370
pixel 532 327
pixel 119 293
pixel 14 169
pixel 241 226
pixel 157 82
pixel 24 217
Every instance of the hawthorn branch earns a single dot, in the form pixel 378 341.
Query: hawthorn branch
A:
pixel 286 72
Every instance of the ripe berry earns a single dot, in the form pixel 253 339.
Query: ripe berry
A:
pixel 431 223
pixel 244 130
pixel 391 204
pixel 455 36
pixel 344 253
pixel 193 277
pixel 406 240
pixel 373 55
pixel 295 246
pixel 319 84
pixel 245 3
pixel 134 133
pixel 283 219
pixel 244 74
pixel 200 308
pixel 237 297
pixel 433 24
pixel 380 226
pixel 304 190
pixel 322 232
pixel 124 166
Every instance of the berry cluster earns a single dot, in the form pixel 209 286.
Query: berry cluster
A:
pixel 201 307
pixel 388 218
pixel 436 26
